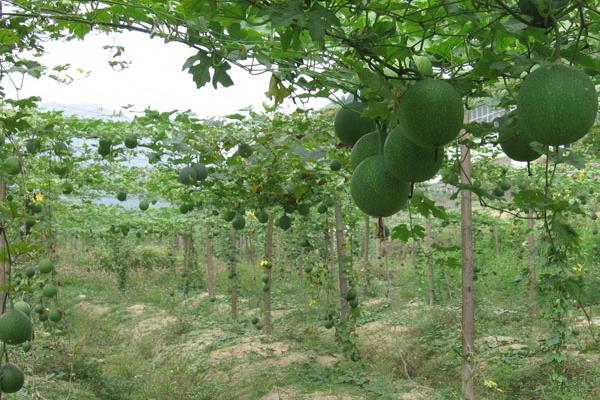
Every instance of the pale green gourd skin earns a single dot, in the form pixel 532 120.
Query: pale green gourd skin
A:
pixel 409 162
pixel 239 222
pixel 557 105
pixel 15 327
pixel 365 147
pixel 431 112
pixel 284 222
pixel 11 378
pixel 375 191
pixel 349 125
pixel 515 144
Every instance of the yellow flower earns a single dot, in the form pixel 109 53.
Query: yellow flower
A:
pixel 264 263
pixel 492 385
pixel 312 302
pixel 578 269
pixel 38 197
pixel 580 175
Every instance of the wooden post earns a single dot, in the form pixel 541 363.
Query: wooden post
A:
pixel 233 272
pixel 533 304
pixel 428 245
pixel 341 253
pixel 268 326
pixel 381 238
pixel 496 240
pixel 366 242
pixel 210 267
pixel 468 295
pixel 187 253
pixel 3 260
pixel 413 254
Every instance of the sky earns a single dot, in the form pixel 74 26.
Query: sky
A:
pixel 154 79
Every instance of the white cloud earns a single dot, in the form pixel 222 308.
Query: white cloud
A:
pixel 154 79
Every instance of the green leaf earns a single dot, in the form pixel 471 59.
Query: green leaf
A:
pixel 199 66
pixel 8 37
pixel 221 76
pixel 401 232
pixel 320 19
pixel 80 29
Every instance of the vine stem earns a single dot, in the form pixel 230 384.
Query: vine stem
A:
pixel 557 43
pixel 9 259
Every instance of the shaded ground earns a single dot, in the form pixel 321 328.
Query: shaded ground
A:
pixel 144 343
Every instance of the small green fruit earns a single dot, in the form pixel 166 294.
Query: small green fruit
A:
pixel 104 147
pixel 239 222
pixel 12 165
pixel 55 316
pixel 60 148
pixel 188 176
pixel 284 222
pixel 185 208
pixel 350 125
pixel 262 216
pixel 15 327
pixel 289 207
pixel 33 145
pixel 11 378
pixel 229 215
pixel 244 150
pixel 351 295
pixel 304 209
pixel 45 266
pixel 335 165
pixel 131 141
pixel 144 205
pixel 61 169
pixel 49 290
pixel 22 306
pixel 67 188
pixel 201 171
pixel 30 222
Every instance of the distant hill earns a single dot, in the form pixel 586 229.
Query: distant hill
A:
pixel 86 110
